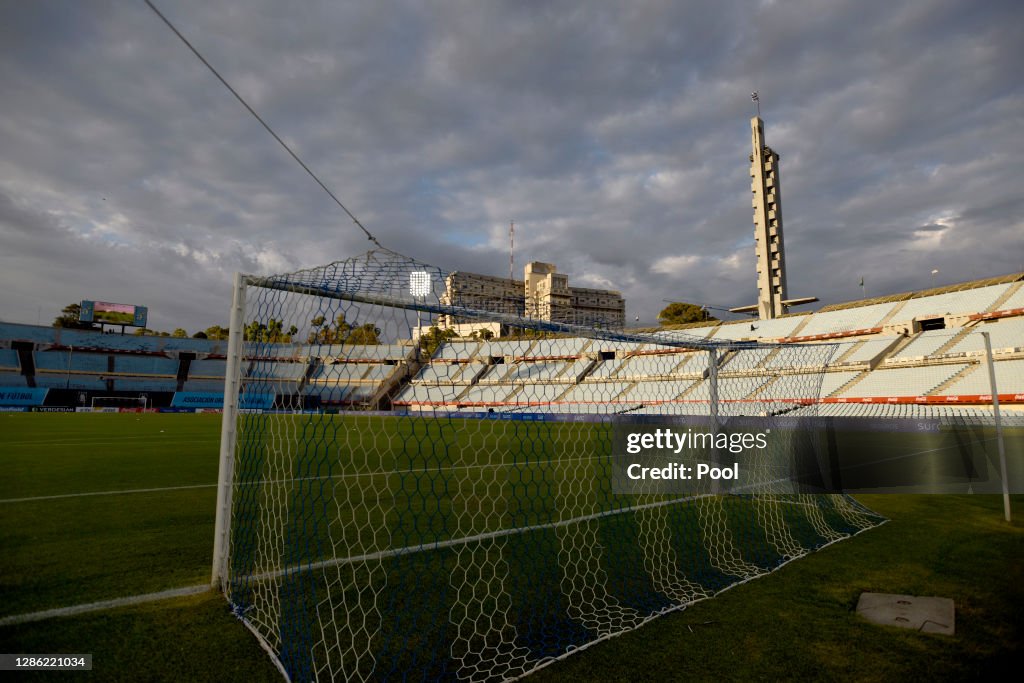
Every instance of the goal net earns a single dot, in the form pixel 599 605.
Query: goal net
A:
pixel 471 507
pixel 119 402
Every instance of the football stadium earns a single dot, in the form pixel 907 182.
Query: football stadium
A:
pixel 388 467
pixel 448 508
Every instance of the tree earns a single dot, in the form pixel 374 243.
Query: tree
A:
pixel 484 334
pixel 215 332
pixel 335 333
pixel 433 338
pixel 200 335
pixel 179 333
pixel 272 332
pixel 679 312
pixel 366 334
pixel 69 318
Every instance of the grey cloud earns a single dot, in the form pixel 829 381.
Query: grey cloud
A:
pixel 615 135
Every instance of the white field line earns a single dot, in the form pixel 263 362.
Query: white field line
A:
pixel 103 605
pixel 107 493
pixel 91 442
pixel 262 482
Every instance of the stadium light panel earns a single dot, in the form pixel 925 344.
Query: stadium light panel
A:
pixel 419 283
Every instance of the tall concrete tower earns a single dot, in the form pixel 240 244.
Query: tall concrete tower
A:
pixel 771 252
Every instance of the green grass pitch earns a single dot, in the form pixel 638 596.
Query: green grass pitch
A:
pixel 65 549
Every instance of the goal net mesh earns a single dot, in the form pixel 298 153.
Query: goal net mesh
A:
pixel 409 505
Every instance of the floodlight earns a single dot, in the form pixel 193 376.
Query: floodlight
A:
pixel 419 283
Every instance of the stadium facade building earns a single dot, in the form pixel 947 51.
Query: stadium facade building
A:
pixel 543 294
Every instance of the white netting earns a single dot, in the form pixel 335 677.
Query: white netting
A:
pixel 444 508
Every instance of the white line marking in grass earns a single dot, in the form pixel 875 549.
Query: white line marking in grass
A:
pixel 107 493
pixel 102 605
pixel 212 444
pixel 263 482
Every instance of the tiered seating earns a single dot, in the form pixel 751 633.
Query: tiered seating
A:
pixel 1009 380
pixel 644 367
pixel 530 371
pixel 31 333
pixel 71 370
pixel 537 393
pixel 81 382
pixel 356 352
pixel 513 348
pixel 441 373
pixel 204 385
pixel 689 334
pixel 207 368
pixel 424 393
pixel 545 348
pixel 847 319
pixel 279 371
pixel 645 392
pixel 868 351
pixel 485 394
pixel 9 360
pixel 347 382
pixel 804 385
pixel 606 369
pixel 1015 300
pixel 64 361
pixel 10 368
pixel 595 392
pixel 1004 333
pixel 746 359
pixel 729 388
pixel 925 344
pixel 952 413
pixel 762 329
pixel 147 373
pixel 916 381
pixel 951 303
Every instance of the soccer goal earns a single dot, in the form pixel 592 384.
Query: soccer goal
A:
pixel 466 507
pixel 117 402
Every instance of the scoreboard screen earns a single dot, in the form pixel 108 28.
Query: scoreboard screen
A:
pixel 113 314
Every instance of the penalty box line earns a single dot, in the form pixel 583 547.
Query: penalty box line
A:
pixel 101 605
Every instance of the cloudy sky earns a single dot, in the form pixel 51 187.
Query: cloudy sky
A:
pixel 615 135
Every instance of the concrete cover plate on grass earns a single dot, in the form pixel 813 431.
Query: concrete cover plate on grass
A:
pixel 930 615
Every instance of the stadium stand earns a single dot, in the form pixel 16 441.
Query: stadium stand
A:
pixel 866 351
pixel 952 303
pixel 9 361
pixel 1008 372
pixel 1006 333
pixel 759 329
pixel 206 368
pixel 923 344
pixel 844 320
pixel 881 354
pixel 918 381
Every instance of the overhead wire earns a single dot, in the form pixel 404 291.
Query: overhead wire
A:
pixel 270 130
